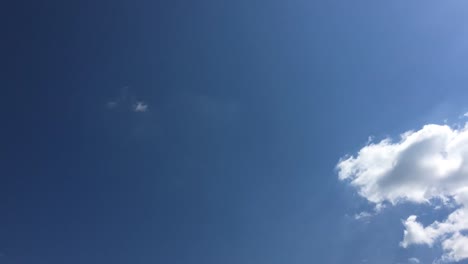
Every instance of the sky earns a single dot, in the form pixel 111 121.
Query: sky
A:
pixel 236 132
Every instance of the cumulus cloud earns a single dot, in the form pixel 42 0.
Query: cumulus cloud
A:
pixel 423 166
pixel 415 233
pixel 456 247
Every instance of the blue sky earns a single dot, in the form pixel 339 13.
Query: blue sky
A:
pixel 210 131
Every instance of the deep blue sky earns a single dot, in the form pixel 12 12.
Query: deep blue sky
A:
pixel 251 103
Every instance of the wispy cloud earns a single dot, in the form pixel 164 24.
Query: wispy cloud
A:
pixel 112 104
pixel 140 107
pixel 126 102
pixel 363 215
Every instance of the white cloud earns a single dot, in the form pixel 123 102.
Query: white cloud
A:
pixel 421 167
pixel 127 102
pixel 456 247
pixel 363 215
pixel 414 260
pixel 140 107
pixel 415 233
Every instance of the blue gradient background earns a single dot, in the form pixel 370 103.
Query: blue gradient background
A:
pixel 251 105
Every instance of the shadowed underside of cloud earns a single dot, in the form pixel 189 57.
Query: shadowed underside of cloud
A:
pixel 421 167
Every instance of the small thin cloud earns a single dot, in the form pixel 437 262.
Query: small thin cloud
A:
pixel 463 116
pixel 363 216
pixel 112 104
pixel 140 107
pixel 414 261
pixel 126 102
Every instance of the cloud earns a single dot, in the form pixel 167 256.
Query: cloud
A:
pixel 415 233
pixel 140 107
pixel 456 247
pixel 363 215
pixel 126 102
pixel 112 104
pixel 423 166
pixel 414 260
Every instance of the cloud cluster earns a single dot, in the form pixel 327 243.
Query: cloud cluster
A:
pixel 422 166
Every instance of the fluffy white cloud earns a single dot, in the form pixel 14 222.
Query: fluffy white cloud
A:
pixel 456 247
pixel 422 166
pixel 415 233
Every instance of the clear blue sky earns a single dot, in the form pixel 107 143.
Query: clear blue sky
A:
pixel 244 110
